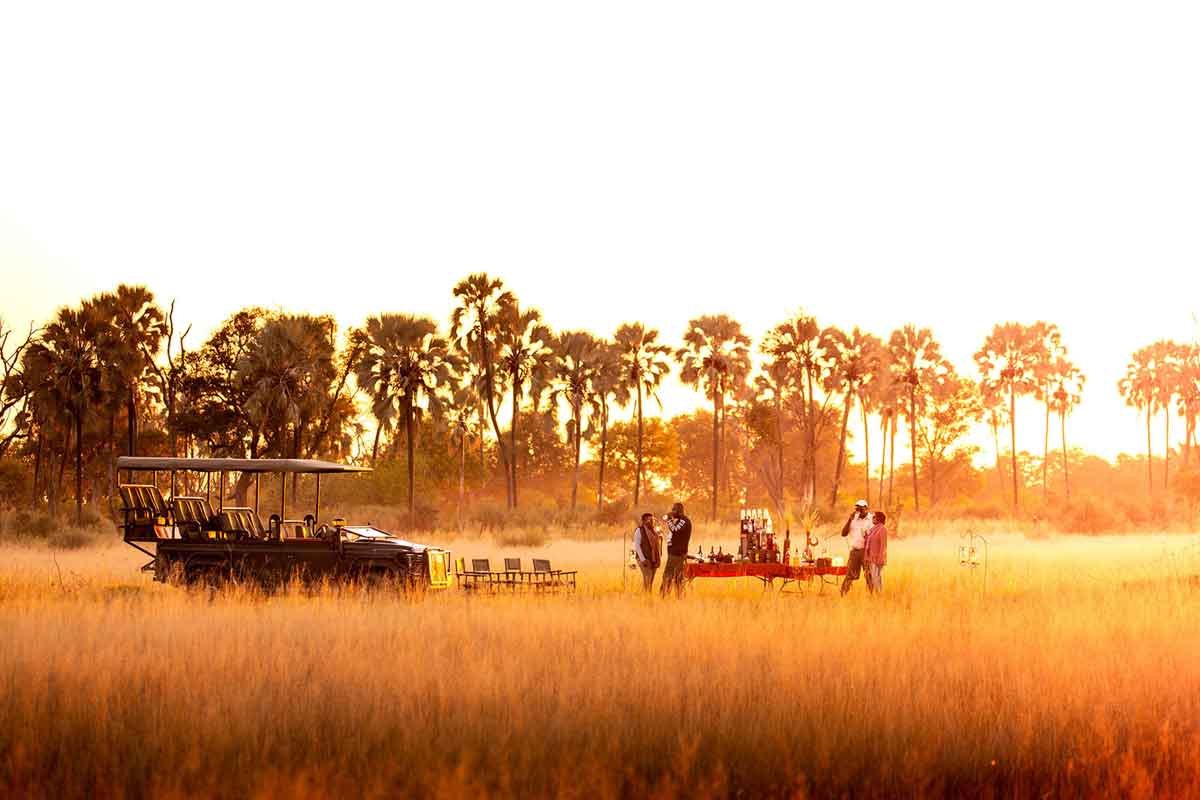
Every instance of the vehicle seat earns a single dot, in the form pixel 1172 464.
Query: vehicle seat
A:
pixel 239 522
pixel 143 508
pixel 193 517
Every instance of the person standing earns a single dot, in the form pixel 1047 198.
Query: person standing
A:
pixel 647 549
pixel 875 555
pixel 856 530
pixel 679 535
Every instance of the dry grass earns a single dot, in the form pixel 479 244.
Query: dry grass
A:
pixel 1076 675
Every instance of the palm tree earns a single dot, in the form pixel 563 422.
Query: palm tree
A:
pixel 1170 358
pixel 473 325
pixel 644 365
pixel 576 359
pixel 131 344
pixel 774 383
pixel 996 415
pixel 716 357
pixel 1049 350
pixel 1189 396
pixel 1139 388
pixel 460 422
pixel 524 353
pixel 67 357
pixel 406 362
pixel 916 358
pixel 608 388
pixel 876 395
pixel 852 360
pixel 797 342
pixel 1065 397
pixel 1008 362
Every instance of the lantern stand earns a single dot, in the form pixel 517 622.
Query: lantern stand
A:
pixel 968 554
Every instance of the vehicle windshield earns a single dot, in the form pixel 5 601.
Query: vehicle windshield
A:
pixel 353 533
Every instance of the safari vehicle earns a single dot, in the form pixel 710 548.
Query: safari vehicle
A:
pixel 195 542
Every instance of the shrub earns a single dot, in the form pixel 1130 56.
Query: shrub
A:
pixel 70 539
pixel 1091 517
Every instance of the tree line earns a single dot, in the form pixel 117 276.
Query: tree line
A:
pixel 495 398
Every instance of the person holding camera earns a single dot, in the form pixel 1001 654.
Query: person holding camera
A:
pixel 647 549
pixel 856 530
pixel 679 535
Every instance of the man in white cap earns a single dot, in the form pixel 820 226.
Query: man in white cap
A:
pixel 856 529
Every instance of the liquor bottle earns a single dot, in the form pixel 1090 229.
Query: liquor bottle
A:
pixel 787 545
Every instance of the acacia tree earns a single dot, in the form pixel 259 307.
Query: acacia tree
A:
pixel 644 365
pixel 404 362
pixel 576 357
pixel 916 358
pixel 1008 363
pixel 482 301
pixel 524 354
pixel 1139 388
pixel 715 357
pixel 950 405
pixel 15 389
pixel 1068 391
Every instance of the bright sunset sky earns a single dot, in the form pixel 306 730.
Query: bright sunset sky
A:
pixel 949 164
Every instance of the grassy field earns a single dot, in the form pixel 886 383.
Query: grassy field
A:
pixel 1078 673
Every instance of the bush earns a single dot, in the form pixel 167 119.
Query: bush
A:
pixel 70 539
pixel 523 538
pixel 1090 517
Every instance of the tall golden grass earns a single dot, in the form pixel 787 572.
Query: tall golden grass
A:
pixel 1077 674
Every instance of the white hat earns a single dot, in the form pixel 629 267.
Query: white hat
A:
pixel 861 504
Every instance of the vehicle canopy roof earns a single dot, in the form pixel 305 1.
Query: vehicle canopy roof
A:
pixel 302 465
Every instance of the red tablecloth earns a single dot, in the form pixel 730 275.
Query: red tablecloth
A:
pixel 791 572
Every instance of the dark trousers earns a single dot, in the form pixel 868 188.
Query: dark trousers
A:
pixel 853 568
pixel 673 575
pixel 647 576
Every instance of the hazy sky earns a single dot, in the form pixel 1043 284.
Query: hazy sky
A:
pixel 949 164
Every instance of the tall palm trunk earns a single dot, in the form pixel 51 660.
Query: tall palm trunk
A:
pixel 462 474
pixel 412 474
pixel 637 478
pixel 491 407
pixel 1062 419
pixel 512 437
pixel 603 454
pixel 716 450
pixel 35 500
pixel 812 439
pixel 912 435
pixel 779 446
pixel 866 450
pixel 131 412
pixel 1046 449
pixel 1149 454
pixel 996 443
pixel 79 469
pixel 375 445
pixel 1012 424
pixel 892 460
pixel 578 439
pixel 1167 449
pixel 837 469
pixel 883 431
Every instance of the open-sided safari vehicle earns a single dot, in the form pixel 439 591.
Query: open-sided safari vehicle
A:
pixel 193 541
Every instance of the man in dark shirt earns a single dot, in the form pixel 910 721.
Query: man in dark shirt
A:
pixel 679 535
